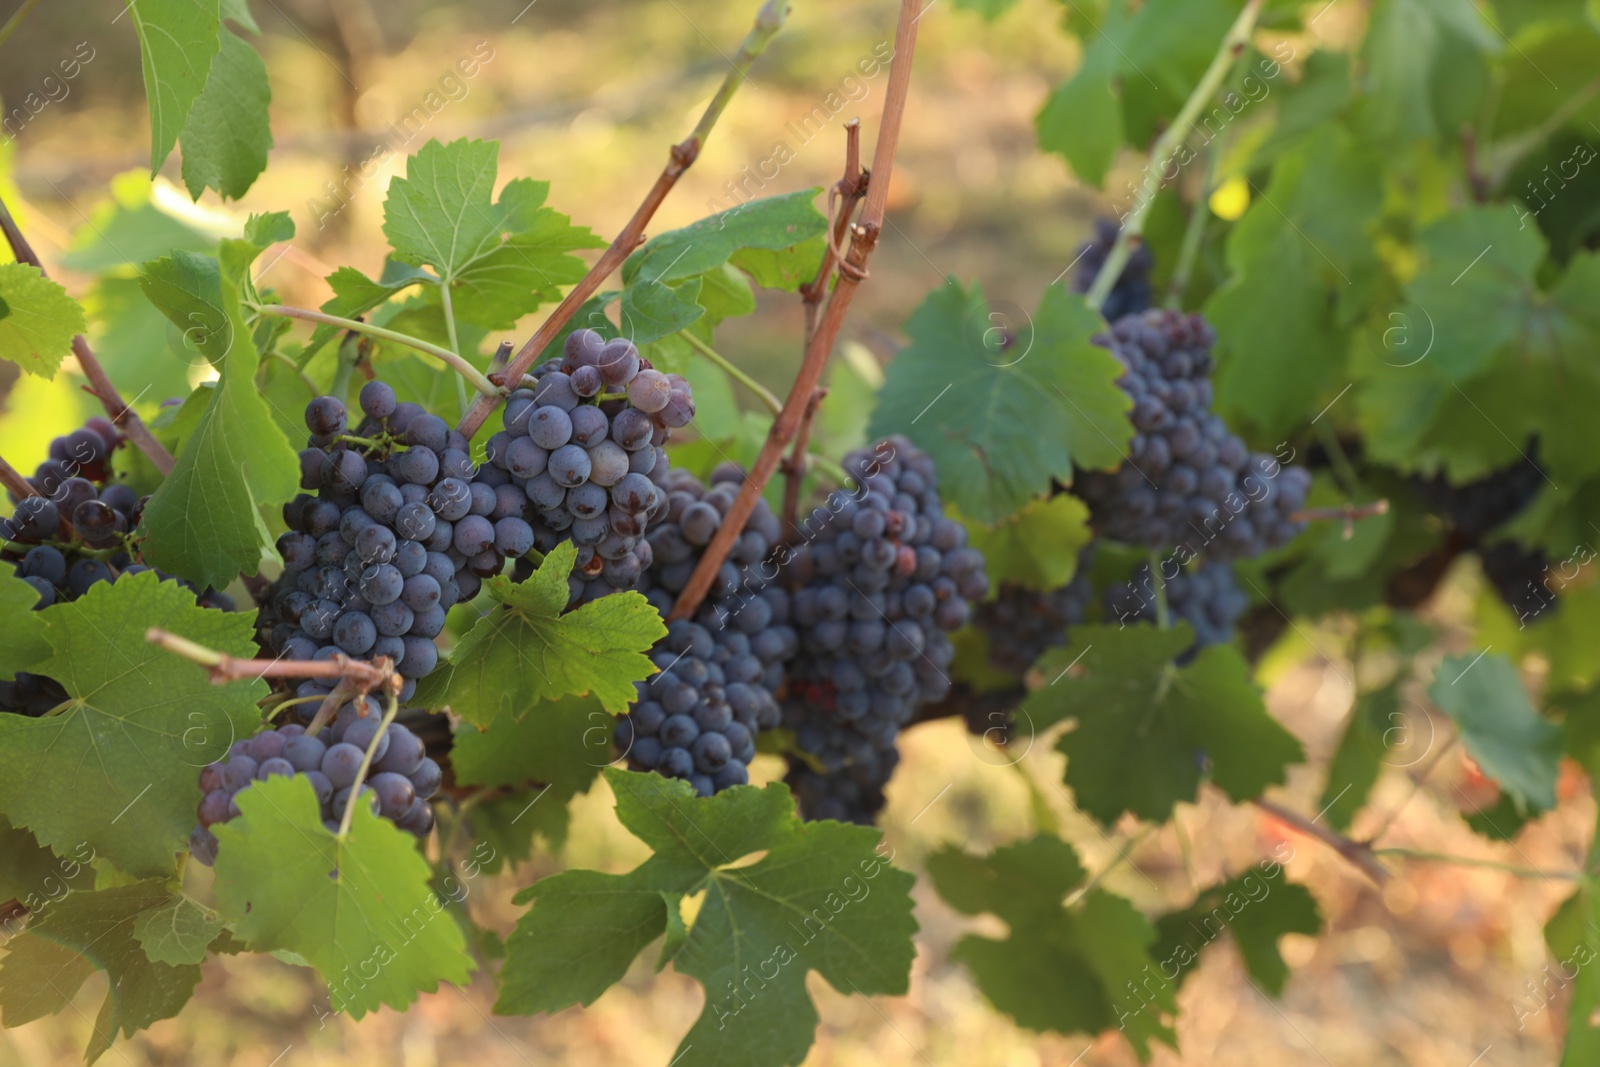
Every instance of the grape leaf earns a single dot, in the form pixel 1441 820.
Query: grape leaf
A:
pixel 34 876
pixel 1067 969
pixel 22 642
pixel 358 908
pixel 990 10
pixel 1255 910
pixel 116 768
pixel 527 650
pixel 505 826
pixel 84 932
pixel 1304 239
pixel 178 932
pixel 138 347
pixel 562 743
pixel 1358 760
pixel 1038 546
pixel 238 11
pixel 355 294
pixel 529 269
pixel 227 135
pixel 177 42
pixel 782 268
pixel 814 901
pixel 130 229
pixel 1003 422
pixel 38 320
pixel 1148 729
pixel 1573 934
pixel 1499 727
pixel 205 521
pixel 659 296
pixel 1425 67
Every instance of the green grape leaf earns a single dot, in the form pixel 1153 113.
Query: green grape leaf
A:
pixel 1148 730
pixel 1082 119
pixel 205 521
pixel 1425 67
pixel 227 135
pixel 358 908
pixel 178 932
pixel 1304 239
pixel 819 898
pixel 38 320
pixel 22 641
pixel 134 341
pixel 661 291
pixel 1038 546
pixel 34 876
pixel 504 827
pixel 1003 422
pixel 238 11
pixel 1256 908
pixel 1573 934
pixel 128 228
pixel 1500 821
pixel 782 268
pixel 354 294
pixel 529 269
pixel 116 768
pixel 1358 760
pixel 84 932
pixel 989 10
pixel 1066 969
pixel 529 649
pixel 561 743
pixel 177 41
pixel 1499 727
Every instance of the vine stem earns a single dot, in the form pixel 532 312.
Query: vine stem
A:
pixel 1357 854
pixel 1471 861
pixel 852 271
pixel 849 189
pixel 769 20
pixel 1347 513
pixel 379 674
pixel 467 371
pixel 13 480
pixel 366 764
pixel 99 383
pixel 1163 611
pixel 773 404
pixel 16 19
pixel 1233 45
pixel 794 468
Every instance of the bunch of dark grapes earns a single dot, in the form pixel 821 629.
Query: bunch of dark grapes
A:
pixel 1188 481
pixel 70 537
pixel 721 672
pixel 1131 293
pixel 399 783
pixel 883 577
pixel 584 444
pixel 1519 574
pixel 1022 624
pixel 397 533
pixel 1475 508
pixel 1207 598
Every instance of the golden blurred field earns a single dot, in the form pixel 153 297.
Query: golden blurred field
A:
pixel 589 95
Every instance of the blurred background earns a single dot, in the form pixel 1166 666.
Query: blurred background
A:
pixel 1436 969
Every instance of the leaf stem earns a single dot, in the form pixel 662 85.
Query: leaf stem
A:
pixel 1163 613
pixel 462 403
pixel 1356 853
pixel 852 271
pixel 1500 159
pixel 366 765
pixel 444 355
pixel 344 367
pixel 1189 251
pixel 762 393
pixel 1233 45
pixel 1123 854
pixel 100 385
pixel 1343 469
pixel 292 365
pixel 1470 861
pixel 16 19
pixel 769 20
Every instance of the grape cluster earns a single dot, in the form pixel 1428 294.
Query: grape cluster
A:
pixel 1021 624
pixel 1206 597
pixel 1520 575
pixel 398 532
pixel 584 445
pixel 400 781
pixel 1131 293
pixel 71 537
pixel 1188 480
pixel 721 672
pixel 881 580
pixel 1475 508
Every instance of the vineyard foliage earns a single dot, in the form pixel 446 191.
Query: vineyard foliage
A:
pixel 1385 214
